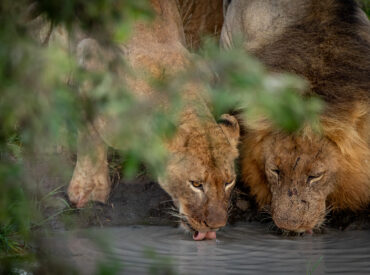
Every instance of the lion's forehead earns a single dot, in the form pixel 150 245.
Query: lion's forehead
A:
pixel 217 157
pixel 211 167
pixel 211 148
pixel 299 146
pixel 206 154
pixel 207 166
pixel 297 155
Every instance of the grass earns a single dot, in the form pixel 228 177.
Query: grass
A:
pixel 311 267
pixel 10 242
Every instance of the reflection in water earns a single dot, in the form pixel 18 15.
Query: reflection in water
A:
pixel 245 248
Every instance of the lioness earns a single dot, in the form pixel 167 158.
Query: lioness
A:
pixel 200 171
pixel 200 18
pixel 301 176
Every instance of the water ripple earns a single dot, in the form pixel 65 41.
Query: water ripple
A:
pixel 245 248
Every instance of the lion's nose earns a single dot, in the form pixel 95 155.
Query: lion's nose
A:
pixel 287 223
pixel 216 224
pixel 216 219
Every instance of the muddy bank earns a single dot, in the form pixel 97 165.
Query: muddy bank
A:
pixel 138 201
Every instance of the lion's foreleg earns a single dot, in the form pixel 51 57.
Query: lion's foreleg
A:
pixel 90 180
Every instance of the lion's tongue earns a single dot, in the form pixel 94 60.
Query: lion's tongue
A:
pixel 199 236
pixel 211 235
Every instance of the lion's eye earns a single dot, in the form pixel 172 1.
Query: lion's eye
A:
pixel 229 183
pixel 196 184
pixel 276 172
pixel 314 178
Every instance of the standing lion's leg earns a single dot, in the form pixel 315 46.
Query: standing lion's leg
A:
pixel 90 180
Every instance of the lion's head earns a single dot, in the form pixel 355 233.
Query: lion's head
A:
pixel 200 173
pixel 300 176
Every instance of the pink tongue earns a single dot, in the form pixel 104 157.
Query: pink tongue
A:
pixel 309 231
pixel 199 236
pixel 211 235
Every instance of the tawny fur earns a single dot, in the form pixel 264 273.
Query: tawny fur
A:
pixel 327 42
pixel 200 18
pixel 201 149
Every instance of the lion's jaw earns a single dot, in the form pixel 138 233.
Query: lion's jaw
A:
pixel 301 173
pixel 200 174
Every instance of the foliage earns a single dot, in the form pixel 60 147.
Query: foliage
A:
pixel 243 84
pixel 365 4
pixel 159 264
pixel 37 107
pixel 40 105
pixel 311 267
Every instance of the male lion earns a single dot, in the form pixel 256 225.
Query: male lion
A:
pixel 301 176
pixel 200 171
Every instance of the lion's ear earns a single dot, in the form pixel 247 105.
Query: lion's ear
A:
pixel 230 127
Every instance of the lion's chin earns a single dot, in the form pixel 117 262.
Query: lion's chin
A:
pixel 309 225
pixel 304 229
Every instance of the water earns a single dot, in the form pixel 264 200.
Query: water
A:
pixel 241 249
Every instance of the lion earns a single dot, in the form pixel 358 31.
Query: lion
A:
pixel 200 18
pixel 199 174
pixel 301 176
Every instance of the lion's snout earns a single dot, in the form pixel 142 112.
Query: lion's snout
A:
pixel 297 217
pixel 287 223
pixel 210 220
pixel 216 219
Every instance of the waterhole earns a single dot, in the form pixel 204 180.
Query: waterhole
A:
pixel 242 249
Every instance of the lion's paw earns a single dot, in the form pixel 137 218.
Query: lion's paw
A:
pixel 79 192
pixel 82 191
